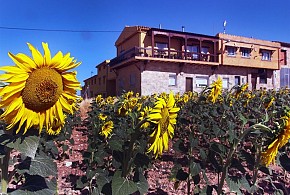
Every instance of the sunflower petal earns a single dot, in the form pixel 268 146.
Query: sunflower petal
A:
pixel 47 56
pixel 37 57
pixel 19 62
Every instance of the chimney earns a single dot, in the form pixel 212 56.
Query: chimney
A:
pixel 182 28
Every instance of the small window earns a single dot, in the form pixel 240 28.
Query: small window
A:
pixel 266 55
pixel 201 81
pixel 226 83
pixel 132 79
pixel 245 52
pixel 231 51
pixel 237 80
pixel 121 84
pixel 172 80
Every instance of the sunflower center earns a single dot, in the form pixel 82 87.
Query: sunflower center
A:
pixel 42 89
pixel 164 121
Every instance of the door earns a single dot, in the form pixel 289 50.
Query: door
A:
pixel 189 84
pixel 254 81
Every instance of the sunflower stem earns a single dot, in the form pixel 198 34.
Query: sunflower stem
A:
pixel 4 171
pixel 128 153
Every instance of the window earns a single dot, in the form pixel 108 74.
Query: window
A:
pixel 266 55
pixel 201 81
pixel 161 45
pixel 132 79
pixel 226 83
pixel 121 84
pixel 231 51
pixel 194 50
pixel 172 80
pixel 237 80
pixel 104 79
pixel 263 75
pixel 285 77
pixel 245 52
pixel 284 57
pixel 204 50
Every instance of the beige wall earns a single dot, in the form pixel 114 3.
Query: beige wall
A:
pixel 128 79
pixel 255 46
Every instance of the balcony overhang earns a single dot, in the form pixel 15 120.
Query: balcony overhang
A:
pixel 161 60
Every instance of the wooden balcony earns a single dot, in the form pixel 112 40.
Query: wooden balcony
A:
pixel 170 55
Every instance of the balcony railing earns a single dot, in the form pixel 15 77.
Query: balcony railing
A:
pixel 165 53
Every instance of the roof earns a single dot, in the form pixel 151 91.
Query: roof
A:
pixel 128 32
pixel 102 63
pixel 184 33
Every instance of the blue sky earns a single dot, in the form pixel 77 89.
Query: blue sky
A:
pixel 267 19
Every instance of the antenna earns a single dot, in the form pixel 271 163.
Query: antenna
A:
pixel 224 25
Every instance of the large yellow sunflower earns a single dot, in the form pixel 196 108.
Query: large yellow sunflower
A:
pixel 164 115
pixel 39 90
pixel 269 155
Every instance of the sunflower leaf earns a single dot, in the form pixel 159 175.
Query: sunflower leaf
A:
pixel 122 185
pixel 36 185
pixel 41 165
pixel 26 146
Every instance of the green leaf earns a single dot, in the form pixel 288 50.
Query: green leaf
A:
pixel 81 182
pixel 102 178
pixel 244 183
pixel 36 185
pixel 121 186
pixel 115 145
pixel 193 141
pixel 142 184
pixel 233 185
pixel 40 165
pixel 202 154
pixel 181 175
pixel 27 146
pixel 243 119
pixel 195 168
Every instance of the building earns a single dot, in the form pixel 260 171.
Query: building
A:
pixel 103 83
pixel 151 60
pixel 284 73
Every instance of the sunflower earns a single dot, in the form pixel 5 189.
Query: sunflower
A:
pixel 269 103
pixel 107 129
pixel 144 114
pixel 39 90
pixel 269 155
pixel 164 115
pixel 215 90
pixel 102 116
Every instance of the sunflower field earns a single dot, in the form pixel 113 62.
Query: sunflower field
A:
pixel 237 135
